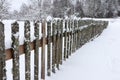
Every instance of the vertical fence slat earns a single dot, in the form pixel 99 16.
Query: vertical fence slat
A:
pixel 72 27
pixel 15 48
pixel 79 34
pixel 77 37
pixel 2 53
pixel 27 50
pixel 67 56
pixel 43 51
pixel 65 41
pixel 49 48
pixel 55 42
pixel 58 45
pixel 53 47
pixel 70 37
pixel 61 41
pixel 36 55
pixel 74 36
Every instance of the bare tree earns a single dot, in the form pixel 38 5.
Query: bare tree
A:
pixel 4 6
pixel 79 9
pixel 62 8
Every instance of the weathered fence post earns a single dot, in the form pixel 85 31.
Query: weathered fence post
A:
pixel 58 45
pixel 74 22
pixel 61 41
pixel 55 42
pixel 15 50
pixel 49 48
pixel 65 40
pixel 77 36
pixel 53 46
pixel 67 56
pixel 71 36
pixel 36 55
pixel 2 53
pixel 27 50
pixel 43 51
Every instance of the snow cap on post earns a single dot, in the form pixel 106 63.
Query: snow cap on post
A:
pixel 49 18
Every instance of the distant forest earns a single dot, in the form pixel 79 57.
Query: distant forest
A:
pixel 62 8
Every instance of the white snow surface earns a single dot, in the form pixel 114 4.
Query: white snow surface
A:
pixel 96 60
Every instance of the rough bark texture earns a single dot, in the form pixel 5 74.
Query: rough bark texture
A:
pixel 27 50
pixel 36 55
pixel 2 53
pixel 15 47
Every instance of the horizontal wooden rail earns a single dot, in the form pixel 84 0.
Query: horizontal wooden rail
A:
pixel 9 51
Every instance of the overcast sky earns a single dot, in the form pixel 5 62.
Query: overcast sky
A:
pixel 15 4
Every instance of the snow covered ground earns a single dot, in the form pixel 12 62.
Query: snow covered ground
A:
pixel 96 60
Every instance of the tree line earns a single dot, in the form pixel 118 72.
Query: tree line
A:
pixel 62 8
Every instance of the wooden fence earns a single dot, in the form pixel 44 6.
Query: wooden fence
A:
pixel 63 38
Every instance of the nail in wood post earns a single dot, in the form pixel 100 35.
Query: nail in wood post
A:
pixel 65 40
pixel 15 48
pixel 36 55
pixel 2 53
pixel 27 49
pixel 43 51
pixel 53 47
pixel 48 48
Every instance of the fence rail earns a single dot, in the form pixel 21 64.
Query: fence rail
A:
pixel 62 37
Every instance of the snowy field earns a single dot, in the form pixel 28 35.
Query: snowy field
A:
pixel 96 60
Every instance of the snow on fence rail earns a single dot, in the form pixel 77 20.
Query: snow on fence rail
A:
pixel 62 37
